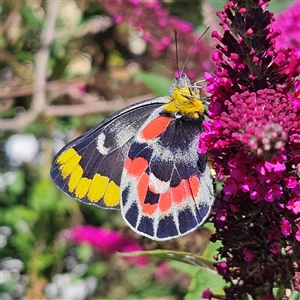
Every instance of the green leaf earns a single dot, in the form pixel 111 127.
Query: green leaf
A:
pixel 295 296
pixel 211 250
pixel 23 56
pixel 97 269
pixel 19 213
pixel 185 257
pixel 23 242
pixel 3 42
pixel 84 252
pixel 17 187
pixel 7 286
pixel 43 196
pixel 46 260
pixel 158 84
pixel 210 226
pixel 30 18
pixel 201 280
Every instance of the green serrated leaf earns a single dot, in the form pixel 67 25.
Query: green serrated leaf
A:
pixel 211 250
pixel 210 226
pixel 185 257
pixel 158 84
pixel 203 280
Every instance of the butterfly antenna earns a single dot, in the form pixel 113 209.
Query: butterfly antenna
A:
pixel 192 50
pixel 176 50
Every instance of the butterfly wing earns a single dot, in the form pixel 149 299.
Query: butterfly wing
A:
pixel 167 189
pixel 90 167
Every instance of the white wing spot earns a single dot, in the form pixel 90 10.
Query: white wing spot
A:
pixel 158 185
pixel 100 144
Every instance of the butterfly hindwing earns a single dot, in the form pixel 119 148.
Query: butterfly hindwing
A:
pixel 90 167
pixel 166 186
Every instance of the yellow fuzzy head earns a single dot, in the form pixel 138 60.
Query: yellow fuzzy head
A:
pixel 184 99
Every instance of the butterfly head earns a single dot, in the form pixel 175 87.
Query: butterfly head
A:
pixel 182 81
pixel 184 98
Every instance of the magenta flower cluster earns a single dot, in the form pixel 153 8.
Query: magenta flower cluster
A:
pixel 254 139
pixel 105 240
pixel 157 27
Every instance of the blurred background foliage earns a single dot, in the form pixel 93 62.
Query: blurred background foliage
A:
pixel 95 66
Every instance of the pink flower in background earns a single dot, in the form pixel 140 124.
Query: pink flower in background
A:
pixel 157 28
pixel 286 227
pixel 288 23
pixel 162 271
pixel 294 205
pixel 104 240
pixel 298 235
pixel 254 139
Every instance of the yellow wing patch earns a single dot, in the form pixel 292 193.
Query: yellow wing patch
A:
pixel 68 161
pixel 82 187
pixel 75 178
pixel 94 189
pixel 97 188
pixel 112 195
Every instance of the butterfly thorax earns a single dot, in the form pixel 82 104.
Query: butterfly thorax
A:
pixel 185 100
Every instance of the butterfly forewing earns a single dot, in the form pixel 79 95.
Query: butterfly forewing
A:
pixel 90 168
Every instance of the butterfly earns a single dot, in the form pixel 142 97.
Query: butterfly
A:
pixel 143 160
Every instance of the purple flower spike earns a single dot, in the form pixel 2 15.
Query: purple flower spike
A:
pixel 254 139
pixel 157 28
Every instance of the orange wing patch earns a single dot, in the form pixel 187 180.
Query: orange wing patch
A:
pixel 165 202
pixel 156 127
